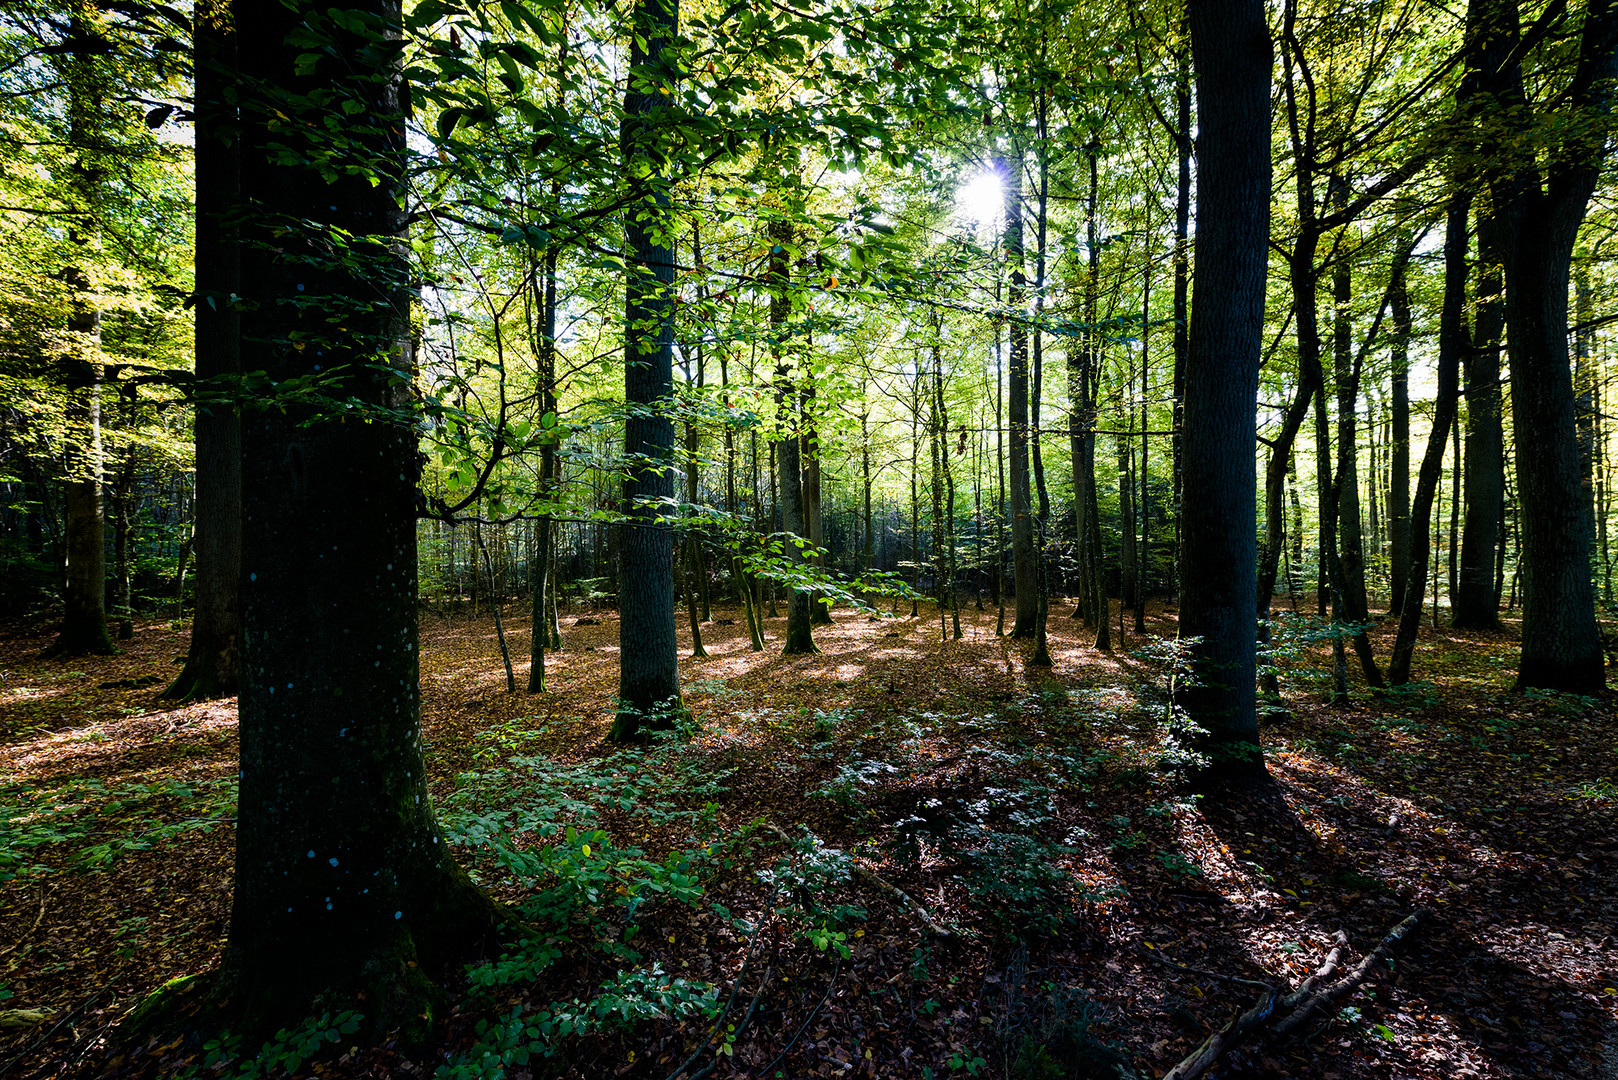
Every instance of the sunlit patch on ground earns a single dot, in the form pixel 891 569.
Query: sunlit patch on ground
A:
pixel 1496 812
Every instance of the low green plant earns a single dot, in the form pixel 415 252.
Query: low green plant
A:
pixel 1179 867
pixel 285 1053
pixel 1056 1041
pixel 1602 790
pixel 103 822
pixel 1563 704
pixel 850 780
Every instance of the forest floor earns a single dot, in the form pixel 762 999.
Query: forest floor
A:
pixel 1028 815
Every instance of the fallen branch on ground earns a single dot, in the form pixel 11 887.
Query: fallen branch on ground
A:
pixel 1279 1015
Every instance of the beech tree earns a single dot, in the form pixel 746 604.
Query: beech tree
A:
pixel 343 882
pixel 1541 195
pixel 649 682
pixel 210 663
pixel 1230 48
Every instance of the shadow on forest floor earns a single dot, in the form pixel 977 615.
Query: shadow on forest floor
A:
pixel 1026 810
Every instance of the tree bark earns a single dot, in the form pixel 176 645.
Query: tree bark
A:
pixel 1024 574
pixel 84 593
pixel 1451 344
pixel 800 631
pixel 1476 603
pixel 344 885
pixel 210 663
pixel 1398 512
pixel 649 663
pixel 1540 215
pixel 1230 45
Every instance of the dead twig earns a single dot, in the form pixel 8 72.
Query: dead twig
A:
pixel 1279 1015
pixel 1326 971
pixel 1216 1044
pixel 1348 982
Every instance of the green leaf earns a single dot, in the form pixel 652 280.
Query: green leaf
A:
pixel 448 119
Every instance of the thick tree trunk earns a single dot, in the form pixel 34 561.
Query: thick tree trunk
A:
pixel 649 665
pixel 1231 48
pixel 1540 217
pixel 344 885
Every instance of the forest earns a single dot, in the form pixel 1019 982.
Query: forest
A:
pixel 932 538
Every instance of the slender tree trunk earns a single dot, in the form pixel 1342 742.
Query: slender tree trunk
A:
pixel 1142 553
pixel 544 613
pixel 1000 480
pixel 84 595
pixel 1350 527
pixel 1182 289
pixel 1452 344
pixel 800 634
pixel 1024 572
pixel 210 665
pixel 123 534
pixel 1398 513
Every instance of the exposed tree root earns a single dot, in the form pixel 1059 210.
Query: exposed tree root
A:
pixel 1277 1014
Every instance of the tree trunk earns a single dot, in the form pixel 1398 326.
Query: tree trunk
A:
pixel 1452 344
pixel 649 664
pixel 800 633
pixel 1024 573
pixel 123 533
pixel 1540 219
pixel 546 354
pixel 1398 511
pixel 210 663
pixel 343 882
pixel 1350 533
pixel 1231 49
pixel 84 594
pixel 819 605
pixel 1182 290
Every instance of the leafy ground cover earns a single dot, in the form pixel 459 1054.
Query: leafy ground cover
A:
pixel 901 857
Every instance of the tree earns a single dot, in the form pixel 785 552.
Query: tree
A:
pixel 788 447
pixel 1230 46
pixel 649 678
pixel 84 593
pixel 343 882
pixel 210 663
pixel 1540 208
pixel 1024 572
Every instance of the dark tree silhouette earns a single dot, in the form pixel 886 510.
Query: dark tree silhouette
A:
pixel 1230 45
pixel 343 882
pixel 649 679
